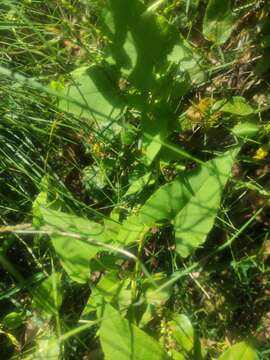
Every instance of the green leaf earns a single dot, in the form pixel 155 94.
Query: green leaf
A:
pixel 239 351
pixel 63 222
pixel 132 230
pixel 245 130
pixel 139 184
pixel 75 256
pixel 155 131
pixel 114 290
pixel 13 320
pixel 188 61
pixel 122 340
pixel 177 356
pixel 236 105
pixel 74 253
pixel 170 198
pixel 182 332
pixel 139 40
pixel 165 203
pixel 47 297
pixel 191 202
pixel 110 289
pixel 94 94
pixel 218 21
pixel 47 347
pixel 194 221
pixel 39 201
pixel 157 298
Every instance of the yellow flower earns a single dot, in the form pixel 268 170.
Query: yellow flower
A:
pixel 97 149
pixel 201 112
pixel 260 154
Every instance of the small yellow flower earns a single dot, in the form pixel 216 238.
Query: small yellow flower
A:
pixel 97 150
pixel 201 113
pixel 260 154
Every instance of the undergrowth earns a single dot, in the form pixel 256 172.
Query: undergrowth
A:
pixel 134 179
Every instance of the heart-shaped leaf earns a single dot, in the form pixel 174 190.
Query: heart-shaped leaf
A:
pixel 191 202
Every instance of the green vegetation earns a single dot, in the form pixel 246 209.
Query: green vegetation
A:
pixel 134 179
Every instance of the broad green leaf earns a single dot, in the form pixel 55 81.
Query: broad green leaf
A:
pixel 75 256
pixel 139 184
pixel 194 221
pixel 177 356
pixel 245 130
pixel 109 290
pixel 122 340
pixel 74 253
pixel 93 93
pixel 182 332
pixel 170 198
pixel 165 203
pixel 236 105
pixel 157 298
pixel 115 290
pixel 239 351
pixel 63 222
pixel 153 148
pixel 13 320
pixel 140 40
pixel 132 230
pixel 218 21
pixel 190 202
pixel 47 297
pixel 94 301
pixel 189 60
pixel 155 131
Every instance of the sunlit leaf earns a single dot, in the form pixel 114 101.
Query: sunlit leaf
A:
pixel 182 332
pixel 245 130
pixel 188 60
pixel 47 347
pixel 140 40
pixel 236 105
pixel 128 341
pixel 13 320
pixel 218 21
pixel 190 202
pixel 194 221
pixel 239 351
pixel 93 94
pixel 75 253
pixel 115 290
pixel 132 230
pixel 139 184
pixel 47 297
